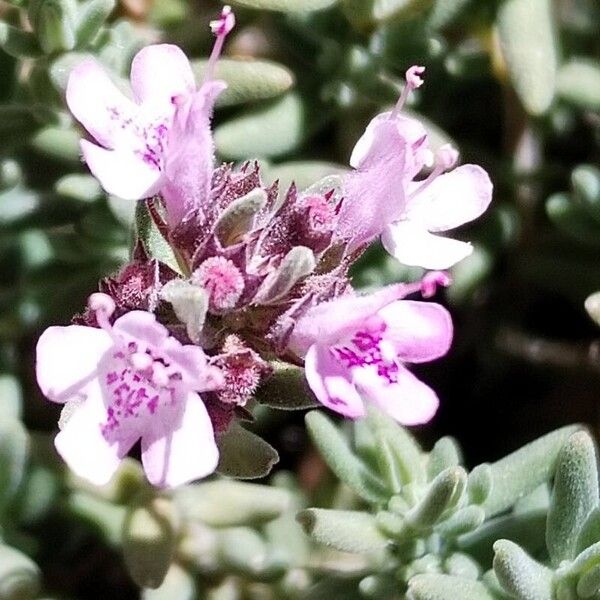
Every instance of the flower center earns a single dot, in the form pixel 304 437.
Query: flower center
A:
pixel 222 280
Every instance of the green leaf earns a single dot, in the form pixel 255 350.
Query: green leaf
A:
pixel 14 451
pixel 446 587
pixel 287 6
pixel 149 539
pixel 337 454
pixel 574 496
pixel 177 584
pixel 462 565
pixel 239 216
pixel 590 531
pixel 18 43
pixel 579 83
pixel 152 239
pixel 190 304
pixel 365 12
pixel 61 68
pixel 91 16
pixel 445 12
pixel 519 574
pixel 100 515
pixel 232 503
pixel 463 521
pixel 269 131
pixel 521 472
pixel 572 219
pixel 84 188
pixel 54 24
pixel 444 493
pixel 444 454
pixel 532 60
pixel 20 577
pixel 248 80
pixel 286 389
pixel 587 559
pixel 346 530
pixel 588 585
pixel 480 483
pixel 58 143
pixel 585 180
pixel 244 455
pixel 11 398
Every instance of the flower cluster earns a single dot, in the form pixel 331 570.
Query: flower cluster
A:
pixel 170 356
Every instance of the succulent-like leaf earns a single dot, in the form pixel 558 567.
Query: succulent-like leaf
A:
pixel 463 521
pixel 574 496
pixel 244 455
pixel 572 219
pixel 346 530
pixel 532 61
pixel 19 576
pixel 444 454
pixel 287 6
pixel 18 43
pixel 519 574
pixel 177 584
pixel 579 83
pixel 232 503
pixel 76 186
pixel 286 389
pixel 590 531
pixel 11 398
pixel 588 585
pixel 90 18
pixel 237 219
pixel 585 180
pixel 14 450
pixel 54 24
pixel 59 143
pixel 446 587
pixel 521 472
pixel 462 565
pixel 190 303
pixel 480 483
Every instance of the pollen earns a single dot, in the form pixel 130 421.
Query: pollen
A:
pixel 222 280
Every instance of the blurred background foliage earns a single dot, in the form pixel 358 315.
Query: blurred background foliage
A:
pixel 514 84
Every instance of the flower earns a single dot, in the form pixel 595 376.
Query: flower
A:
pixel 124 382
pixel 381 196
pixel 160 141
pixel 355 347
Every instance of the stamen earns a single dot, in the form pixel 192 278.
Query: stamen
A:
pixel 221 29
pixel 104 307
pixel 413 81
pixel 445 158
pixel 141 361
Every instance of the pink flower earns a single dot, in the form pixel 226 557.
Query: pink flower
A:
pixel 383 198
pixel 125 382
pixel 355 349
pixel 161 140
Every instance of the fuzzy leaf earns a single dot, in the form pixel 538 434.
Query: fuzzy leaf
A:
pixel 177 584
pixel 298 263
pixel 54 23
pixel 190 304
pixel 574 496
pixel 585 180
pixel 590 531
pixel 480 483
pixel 446 587
pixel 341 460
pixel 590 557
pixel 14 451
pixel 444 454
pixel 572 219
pixel 20 577
pixel 532 61
pixel 244 455
pixel 248 80
pixel 579 83
pixel 444 493
pixel 18 43
pixel 269 131
pixel 61 68
pixel 463 521
pixel 58 143
pixel 286 389
pixel 346 530
pixel 462 565
pixel 521 472
pixel 588 585
pixel 231 503
pixel 91 17
pixel 149 540
pixel 84 188
pixel 11 398
pixel 519 574
pixel 237 219
pixel 286 6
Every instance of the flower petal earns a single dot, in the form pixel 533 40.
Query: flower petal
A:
pixel 189 452
pixel 452 199
pixel 82 445
pixel 121 172
pixel 159 72
pixel 97 104
pixel 142 325
pixel 419 331
pixel 67 359
pixel 332 383
pixel 413 245
pixel 190 160
pixel 409 401
pixel 329 321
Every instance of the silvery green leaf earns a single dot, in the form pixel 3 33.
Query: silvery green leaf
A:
pixel 588 558
pixel 237 219
pixel 574 496
pixel 462 565
pixel 579 83
pixel 244 455
pixel 231 503
pixel 445 12
pixel 590 531
pixel 519 574
pixel 532 60
pixel 480 483
pixel 248 80
pixel 11 398
pixel 19 43
pixel 84 188
pixel 588 585
pixel 20 577
pixel 105 517
pixel 444 493
pixel 286 6
pixel 346 530
pixel 10 174
pixel 177 584
pixel 445 453
pixel 190 304
pixel 92 14
pixel 54 24
pixel 58 143
pixel 336 452
pixel 585 180
pixel 572 219
pixel 539 499
pixel 268 131
pixel 446 587
pixel 365 12
pixel 464 520
pixel 14 451
pixel 286 389
pixel 150 534
pixel 379 587
pixel 521 472
pixel 61 68
pixel 297 264
pixel 242 551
